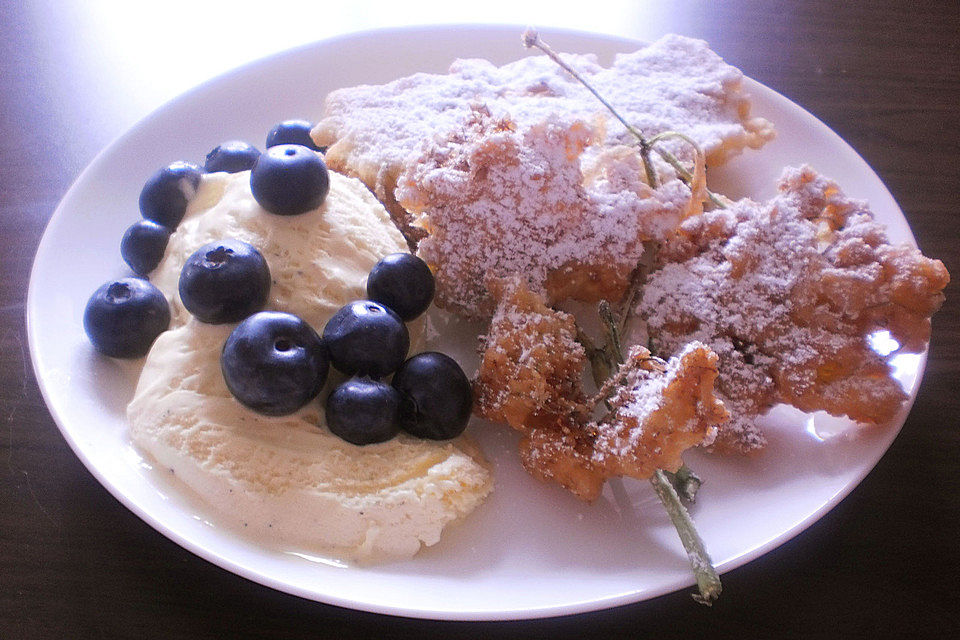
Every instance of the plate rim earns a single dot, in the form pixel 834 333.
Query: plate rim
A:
pixel 482 614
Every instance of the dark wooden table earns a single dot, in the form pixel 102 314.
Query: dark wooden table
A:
pixel 74 563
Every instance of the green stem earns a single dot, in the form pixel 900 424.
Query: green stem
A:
pixel 685 482
pixel 600 361
pixel 611 331
pixel 681 170
pixel 531 39
pixel 708 581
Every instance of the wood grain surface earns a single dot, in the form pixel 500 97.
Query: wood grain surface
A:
pixel 74 563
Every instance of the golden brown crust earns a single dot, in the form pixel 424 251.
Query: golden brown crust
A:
pixel 496 201
pixel 660 411
pixel 531 368
pixel 788 293
pixel 530 378
pixel 675 83
pixel 541 201
pixel 532 194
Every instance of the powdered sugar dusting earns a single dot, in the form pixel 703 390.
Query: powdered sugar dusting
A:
pixel 640 396
pixel 530 378
pixel 532 365
pixel 498 201
pixel 785 292
pixel 659 411
pixel 674 83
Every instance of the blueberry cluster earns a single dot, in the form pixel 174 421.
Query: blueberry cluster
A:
pixel 223 283
pixel 273 362
pixel 429 396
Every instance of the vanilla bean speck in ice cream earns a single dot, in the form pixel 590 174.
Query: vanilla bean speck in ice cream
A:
pixel 287 480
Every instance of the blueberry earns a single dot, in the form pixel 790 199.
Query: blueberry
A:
pixel 125 316
pixel 289 179
pixel 364 411
pixel 165 196
pixel 292 132
pixel 232 157
pixel 366 338
pixel 143 245
pixel 440 393
pixel 404 283
pixel 224 281
pixel 274 363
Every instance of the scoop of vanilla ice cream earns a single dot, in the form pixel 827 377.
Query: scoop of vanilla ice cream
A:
pixel 288 480
pixel 319 260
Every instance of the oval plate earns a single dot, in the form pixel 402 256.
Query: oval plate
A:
pixel 531 550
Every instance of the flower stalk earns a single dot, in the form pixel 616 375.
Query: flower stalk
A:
pixel 604 360
pixel 708 580
pixel 531 40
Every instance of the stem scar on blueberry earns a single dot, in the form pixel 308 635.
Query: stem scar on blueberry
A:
pixel 218 257
pixel 123 317
pixel 224 281
pixel 118 292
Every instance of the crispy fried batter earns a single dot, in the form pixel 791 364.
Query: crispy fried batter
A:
pixel 787 293
pixel 659 411
pixel 530 378
pixel 497 201
pixel 675 83
pixel 517 170
pixel 532 365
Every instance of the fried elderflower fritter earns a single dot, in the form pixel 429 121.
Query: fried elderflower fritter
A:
pixel 787 292
pixel 530 378
pixel 497 201
pixel 675 83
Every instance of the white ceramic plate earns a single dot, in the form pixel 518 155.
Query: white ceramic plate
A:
pixel 532 549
